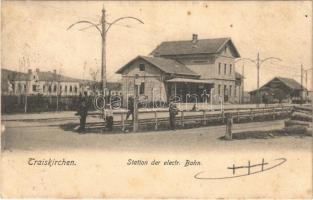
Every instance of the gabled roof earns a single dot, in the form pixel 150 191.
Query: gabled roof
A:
pixel 13 75
pixel 51 76
pixel 202 46
pixel 42 76
pixel 166 65
pixel 289 82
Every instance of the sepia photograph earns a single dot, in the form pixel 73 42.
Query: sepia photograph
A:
pixel 156 99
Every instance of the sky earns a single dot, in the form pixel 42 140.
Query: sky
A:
pixel 36 31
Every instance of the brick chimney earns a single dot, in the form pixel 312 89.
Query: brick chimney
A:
pixel 55 71
pixel 194 38
pixel 37 69
pixel 29 71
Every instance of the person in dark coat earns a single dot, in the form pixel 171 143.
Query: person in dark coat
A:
pixel 83 111
pixel 173 111
pixel 109 117
pixel 130 108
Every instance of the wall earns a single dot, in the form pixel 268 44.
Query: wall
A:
pixel 152 77
pixel 45 91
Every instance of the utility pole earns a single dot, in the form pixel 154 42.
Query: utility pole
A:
pixel 136 98
pixel 301 91
pixel 103 56
pixel 25 106
pixel 306 79
pixel 103 32
pixel 258 79
pixel 58 79
pixel 258 63
pixel 243 84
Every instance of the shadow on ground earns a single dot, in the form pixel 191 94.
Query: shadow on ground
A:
pixel 265 134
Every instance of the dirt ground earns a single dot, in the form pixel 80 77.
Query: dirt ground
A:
pixel 101 169
pixel 31 136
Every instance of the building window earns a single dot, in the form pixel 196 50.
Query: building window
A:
pixel 55 88
pixel 225 68
pixel 25 87
pixel 142 67
pixel 65 88
pixel 230 90
pixel 34 88
pixel 75 89
pixel 142 88
pixel 219 68
pixel 230 68
pixel 225 89
pixel 71 89
pixel 219 89
pixel 44 88
pixel 49 88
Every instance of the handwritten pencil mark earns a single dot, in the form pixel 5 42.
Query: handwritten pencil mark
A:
pixel 265 166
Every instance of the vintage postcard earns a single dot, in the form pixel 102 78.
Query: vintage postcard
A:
pixel 156 99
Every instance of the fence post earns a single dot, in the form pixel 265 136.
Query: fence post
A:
pixel 156 120
pixel 182 118
pixel 135 121
pixel 229 124
pixel 122 120
pixel 251 114
pixel 204 118
pixel 223 116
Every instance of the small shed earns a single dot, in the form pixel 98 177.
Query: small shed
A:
pixel 278 90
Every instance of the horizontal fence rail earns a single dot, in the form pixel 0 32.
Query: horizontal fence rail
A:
pixel 156 118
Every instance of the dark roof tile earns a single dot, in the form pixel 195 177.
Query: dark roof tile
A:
pixel 166 65
pixel 203 46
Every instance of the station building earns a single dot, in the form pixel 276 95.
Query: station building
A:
pixel 192 68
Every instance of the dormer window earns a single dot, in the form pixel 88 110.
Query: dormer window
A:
pixel 142 67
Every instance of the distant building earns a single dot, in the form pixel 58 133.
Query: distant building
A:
pixel 39 82
pixel 196 67
pixel 280 89
pixel 49 83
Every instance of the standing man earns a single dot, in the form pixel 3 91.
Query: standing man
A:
pixel 173 111
pixel 83 111
pixel 109 117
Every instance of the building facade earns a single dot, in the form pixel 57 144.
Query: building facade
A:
pixel 192 70
pixel 39 82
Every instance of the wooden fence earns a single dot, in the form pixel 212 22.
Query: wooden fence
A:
pixel 159 119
